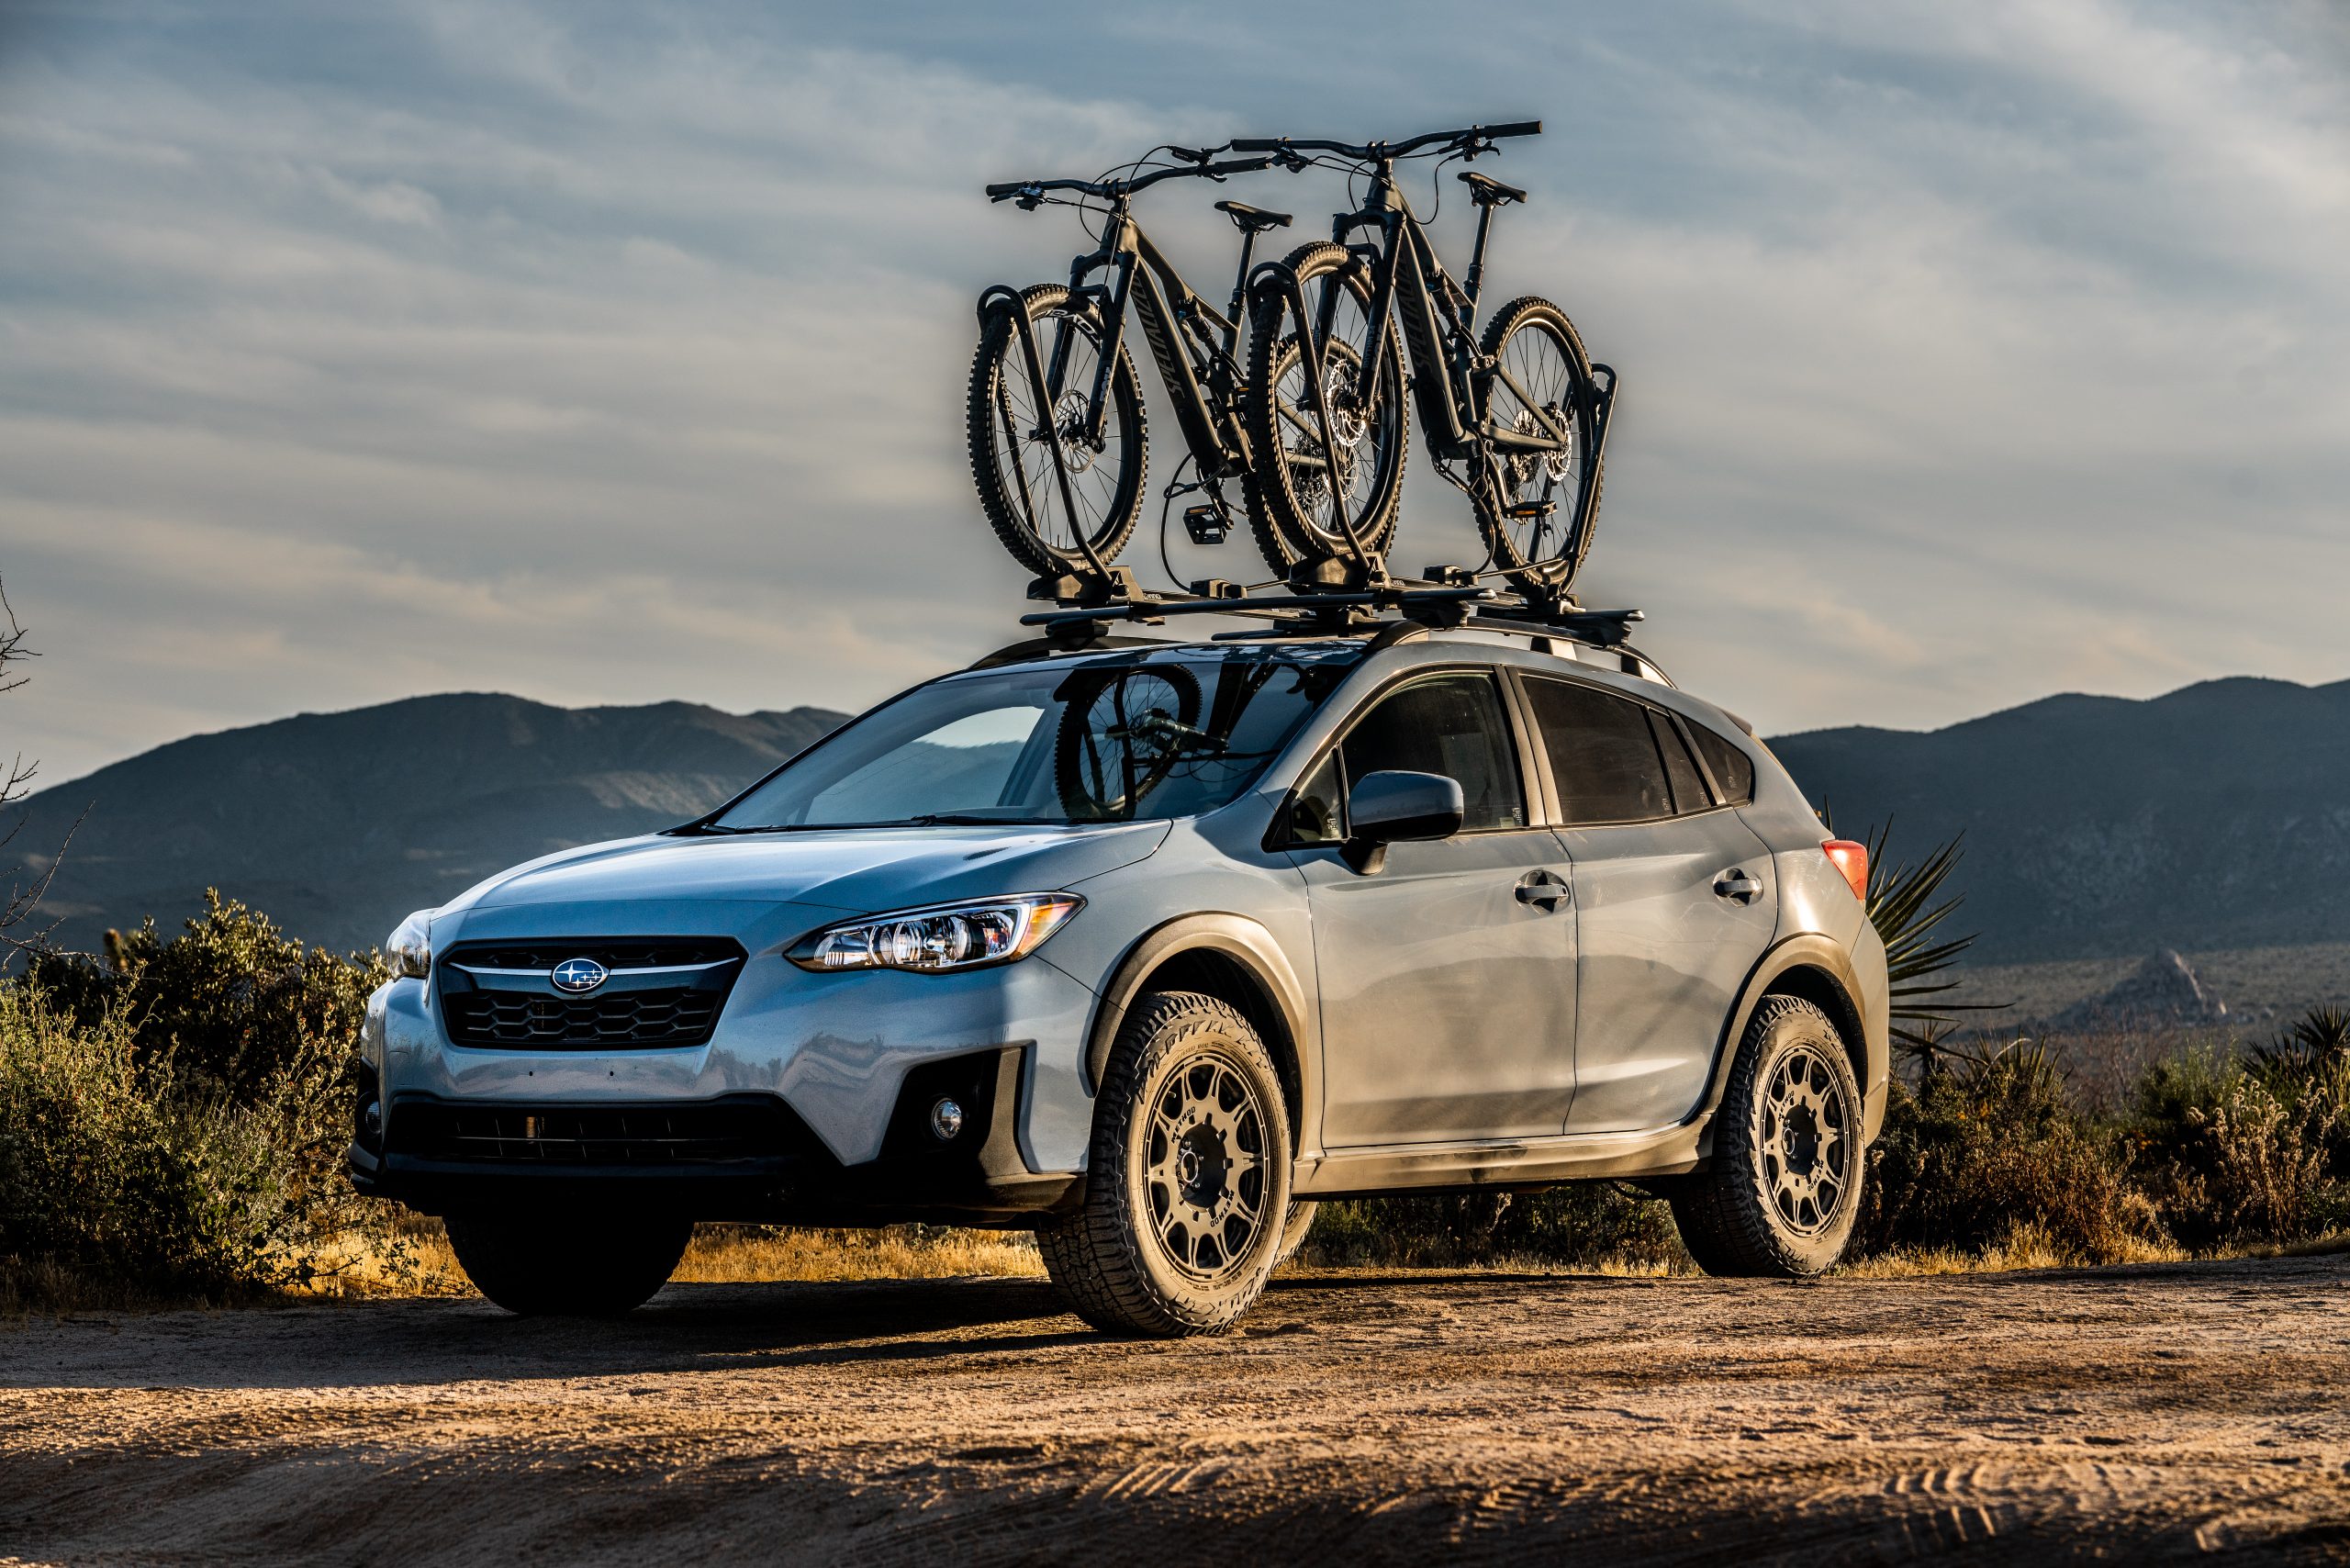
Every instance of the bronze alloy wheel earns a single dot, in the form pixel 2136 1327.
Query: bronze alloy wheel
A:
pixel 1204 1170
pixel 1808 1142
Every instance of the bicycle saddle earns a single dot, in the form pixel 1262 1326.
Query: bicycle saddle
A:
pixel 1252 220
pixel 1486 191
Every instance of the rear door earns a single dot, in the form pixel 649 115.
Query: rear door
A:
pixel 1674 902
pixel 1448 976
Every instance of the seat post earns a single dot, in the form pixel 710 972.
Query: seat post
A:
pixel 1476 277
pixel 1240 278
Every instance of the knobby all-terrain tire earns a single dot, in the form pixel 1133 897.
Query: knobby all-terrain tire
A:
pixel 999 354
pixel 1284 534
pixel 1730 1217
pixel 1555 573
pixel 536 1265
pixel 1109 1257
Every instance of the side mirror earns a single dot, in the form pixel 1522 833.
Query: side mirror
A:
pixel 1396 807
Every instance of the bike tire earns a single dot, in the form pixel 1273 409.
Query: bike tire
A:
pixel 1026 527
pixel 1084 800
pixel 1523 560
pixel 1281 509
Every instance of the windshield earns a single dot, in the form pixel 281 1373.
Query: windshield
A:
pixel 1104 740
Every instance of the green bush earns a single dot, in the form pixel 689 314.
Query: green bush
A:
pixel 1985 1147
pixel 2237 1152
pixel 173 1118
pixel 106 1172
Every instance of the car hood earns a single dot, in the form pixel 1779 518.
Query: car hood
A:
pixel 858 871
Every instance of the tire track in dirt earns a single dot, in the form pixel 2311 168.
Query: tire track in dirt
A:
pixel 2182 1410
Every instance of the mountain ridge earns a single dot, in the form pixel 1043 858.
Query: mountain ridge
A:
pixel 2214 815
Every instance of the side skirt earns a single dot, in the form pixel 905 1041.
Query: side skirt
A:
pixel 1502 1162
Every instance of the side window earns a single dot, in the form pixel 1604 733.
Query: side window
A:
pixel 1688 784
pixel 1603 754
pixel 1314 815
pixel 1451 724
pixel 1731 767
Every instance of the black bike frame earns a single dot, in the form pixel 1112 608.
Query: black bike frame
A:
pixel 1188 338
pixel 1452 381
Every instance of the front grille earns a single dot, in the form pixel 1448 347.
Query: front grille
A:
pixel 496 995
pixel 711 1133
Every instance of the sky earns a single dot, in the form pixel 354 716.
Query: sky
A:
pixel 613 353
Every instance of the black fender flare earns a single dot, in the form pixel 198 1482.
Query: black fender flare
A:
pixel 1250 948
pixel 1803 950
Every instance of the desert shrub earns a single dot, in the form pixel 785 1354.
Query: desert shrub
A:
pixel 108 1174
pixel 2252 1150
pixel 236 1004
pixel 174 1116
pixel 1582 1224
pixel 1985 1147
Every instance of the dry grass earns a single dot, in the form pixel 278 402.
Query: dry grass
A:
pixel 2027 1247
pixel 745 1254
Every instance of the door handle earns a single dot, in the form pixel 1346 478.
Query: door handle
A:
pixel 1736 884
pixel 1544 891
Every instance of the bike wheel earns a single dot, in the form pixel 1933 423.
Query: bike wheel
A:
pixel 1303 501
pixel 1121 738
pixel 1526 501
pixel 1011 443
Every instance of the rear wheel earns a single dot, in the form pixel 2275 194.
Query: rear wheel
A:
pixel 535 1265
pixel 1525 508
pixel 1013 435
pixel 1302 498
pixel 1785 1185
pixel 1187 1184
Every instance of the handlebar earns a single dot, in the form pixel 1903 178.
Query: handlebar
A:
pixel 1032 191
pixel 1472 138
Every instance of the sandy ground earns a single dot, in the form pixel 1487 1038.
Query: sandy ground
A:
pixel 2141 1412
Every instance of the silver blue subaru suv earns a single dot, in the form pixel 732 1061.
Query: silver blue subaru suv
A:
pixel 1147 947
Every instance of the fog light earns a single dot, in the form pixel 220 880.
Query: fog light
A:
pixel 946 1120
pixel 371 1124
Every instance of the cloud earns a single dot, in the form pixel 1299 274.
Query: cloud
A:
pixel 611 353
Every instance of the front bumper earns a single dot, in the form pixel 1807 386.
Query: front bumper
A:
pixel 820 1067
pixel 739 1157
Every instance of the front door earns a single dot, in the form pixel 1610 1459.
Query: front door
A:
pixel 1675 900
pixel 1448 975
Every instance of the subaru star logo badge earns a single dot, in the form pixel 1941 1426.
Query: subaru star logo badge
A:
pixel 578 976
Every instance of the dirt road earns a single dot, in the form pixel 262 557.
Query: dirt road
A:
pixel 2163 1410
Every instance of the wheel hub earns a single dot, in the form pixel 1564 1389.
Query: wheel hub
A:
pixel 1068 431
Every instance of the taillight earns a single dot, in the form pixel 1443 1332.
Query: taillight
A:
pixel 1853 860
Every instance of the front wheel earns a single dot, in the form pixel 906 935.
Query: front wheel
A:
pixel 1014 431
pixel 1785 1185
pixel 1306 494
pixel 535 1265
pixel 1187 1182
pixel 1526 499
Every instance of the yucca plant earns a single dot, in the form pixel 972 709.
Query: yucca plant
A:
pixel 1905 904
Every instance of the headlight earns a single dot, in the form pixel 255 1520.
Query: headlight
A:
pixel 941 937
pixel 408 948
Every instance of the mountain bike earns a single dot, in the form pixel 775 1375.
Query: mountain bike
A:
pixel 1522 408
pixel 1055 413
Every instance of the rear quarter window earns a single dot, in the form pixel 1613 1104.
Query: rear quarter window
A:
pixel 1733 770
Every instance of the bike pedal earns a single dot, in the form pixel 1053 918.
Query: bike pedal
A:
pixel 1206 524
pixel 1531 510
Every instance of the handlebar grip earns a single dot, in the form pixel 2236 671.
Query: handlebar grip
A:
pixel 1237 166
pixel 998 193
pixel 1258 144
pixel 1523 127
